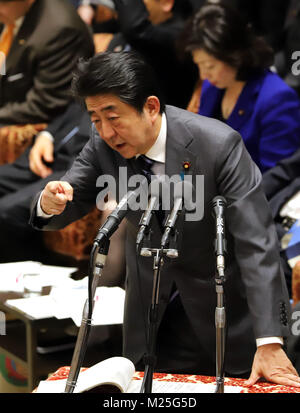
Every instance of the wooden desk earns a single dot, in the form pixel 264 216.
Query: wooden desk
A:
pixel 22 342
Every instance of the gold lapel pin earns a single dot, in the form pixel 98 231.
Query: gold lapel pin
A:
pixel 186 165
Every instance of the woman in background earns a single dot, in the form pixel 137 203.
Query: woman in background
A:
pixel 239 88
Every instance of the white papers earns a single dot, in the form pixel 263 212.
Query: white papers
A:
pixel 11 275
pixel 108 307
pixel 68 299
pixel 34 307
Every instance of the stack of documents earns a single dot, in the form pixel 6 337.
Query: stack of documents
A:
pixel 67 296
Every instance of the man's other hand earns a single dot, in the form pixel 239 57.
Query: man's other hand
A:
pixel 42 151
pixel 271 363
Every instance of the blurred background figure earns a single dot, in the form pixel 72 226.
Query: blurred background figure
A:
pixel 287 60
pixel 99 15
pixel 46 38
pixel 52 153
pixel 282 189
pixel 152 28
pixel 238 86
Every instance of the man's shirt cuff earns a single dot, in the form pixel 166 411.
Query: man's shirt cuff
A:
pixel 47 135
pixel 268 340
pixel 40 213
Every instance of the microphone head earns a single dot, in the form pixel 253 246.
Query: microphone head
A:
pixel 219 204
pixel 219 201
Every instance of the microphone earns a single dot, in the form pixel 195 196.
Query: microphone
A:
pixel 180 188
pixel 219 205
pixel 153 204
pixel 114 219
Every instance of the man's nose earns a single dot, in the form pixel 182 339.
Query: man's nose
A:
pixel 107 132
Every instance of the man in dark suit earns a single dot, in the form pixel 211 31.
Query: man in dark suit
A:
pixel 153 28
pixel 51 155
pixel 49 37
pixel 281 185
pixel 130 120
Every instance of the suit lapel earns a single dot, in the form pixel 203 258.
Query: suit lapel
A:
pixel 210 102
pixel 178 155
pixel 178 142
pixel 212 99
pixel 25 31
pixel 245 104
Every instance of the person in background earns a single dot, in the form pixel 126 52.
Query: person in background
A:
pixel 99 15
pixel 42 41
pixel 282 188
pixel 152 28
pixel 238 86
pixel 52 153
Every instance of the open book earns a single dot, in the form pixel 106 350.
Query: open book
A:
pixel 109 376
pixel 116 375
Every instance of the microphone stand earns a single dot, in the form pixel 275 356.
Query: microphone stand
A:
pixel 97 261
pixel 220 321
pixel 150 358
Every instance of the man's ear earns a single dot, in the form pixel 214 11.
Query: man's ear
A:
pixel 152 106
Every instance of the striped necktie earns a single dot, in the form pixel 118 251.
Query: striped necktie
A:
pixel 6 42
pixel 7 39
pixel 145 165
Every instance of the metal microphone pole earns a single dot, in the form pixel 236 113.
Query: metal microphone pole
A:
pixel 150 359
pixel 220 321
pixel 97 261
pixel 219 204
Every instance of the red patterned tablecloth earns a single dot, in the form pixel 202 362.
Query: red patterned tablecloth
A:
pixel 261 387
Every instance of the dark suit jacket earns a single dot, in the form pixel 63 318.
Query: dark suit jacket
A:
pixel 267 115
pixel 266 16
pixel 281 183
pixel 256 298
pixel 157 44
pixel 36 87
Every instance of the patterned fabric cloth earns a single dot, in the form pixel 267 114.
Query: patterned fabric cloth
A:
pixel 15 139
pixel 260 387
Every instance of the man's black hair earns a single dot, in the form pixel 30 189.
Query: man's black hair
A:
pixel 123 74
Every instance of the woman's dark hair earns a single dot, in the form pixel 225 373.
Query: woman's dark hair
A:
pixel 223 33
pixel 123 74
